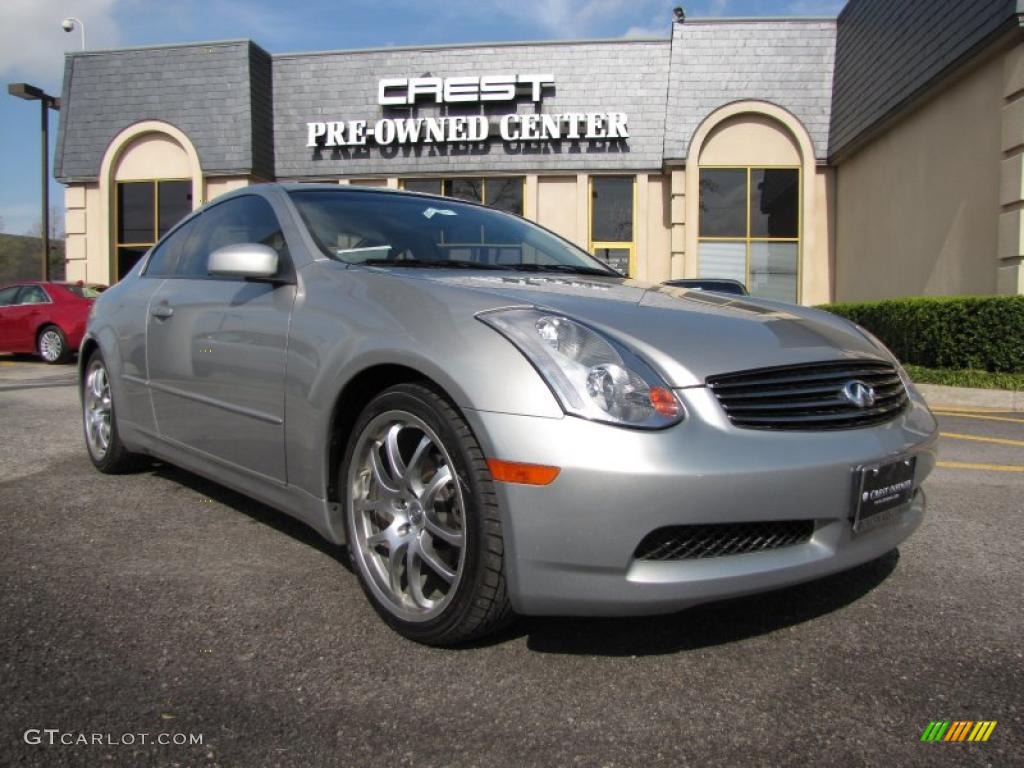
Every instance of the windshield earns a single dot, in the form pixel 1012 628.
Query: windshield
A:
pixel 410 231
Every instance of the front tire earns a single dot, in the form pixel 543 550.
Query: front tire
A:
pixel 422 520
pixel 52 345
pixel 107 452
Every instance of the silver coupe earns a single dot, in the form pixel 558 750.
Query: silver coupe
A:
pixel 495 422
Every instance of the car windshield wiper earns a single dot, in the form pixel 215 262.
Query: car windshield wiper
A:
pixel 569 269
pixel 427 264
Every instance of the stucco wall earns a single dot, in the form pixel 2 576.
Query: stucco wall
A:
pixel 557 208
pixel 654 256
pixel 918 207
pixel 755 133
pixel 87 245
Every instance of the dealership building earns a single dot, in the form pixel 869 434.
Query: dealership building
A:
pixel 874 155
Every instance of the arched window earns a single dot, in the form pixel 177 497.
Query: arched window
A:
pixel 152 177
pixel 747 184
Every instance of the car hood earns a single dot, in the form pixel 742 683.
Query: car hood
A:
pixel 688 335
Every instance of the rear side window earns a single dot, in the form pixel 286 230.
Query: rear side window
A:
pixel 247 219
pixel 165 258
pixel 84 291
pixel 7 295
pixel 32 294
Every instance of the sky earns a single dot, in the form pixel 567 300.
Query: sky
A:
pixel 32 45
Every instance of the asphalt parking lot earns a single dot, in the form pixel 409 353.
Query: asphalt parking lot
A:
pixel 160 603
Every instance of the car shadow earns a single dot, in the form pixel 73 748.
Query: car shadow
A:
pixel 257 511
pixel 711 624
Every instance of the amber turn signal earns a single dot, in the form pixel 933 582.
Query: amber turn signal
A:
pixel 526 474
pixel 664 402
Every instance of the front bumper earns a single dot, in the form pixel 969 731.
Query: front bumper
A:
pixel 570 545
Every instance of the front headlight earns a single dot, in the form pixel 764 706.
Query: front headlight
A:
pixel 591 375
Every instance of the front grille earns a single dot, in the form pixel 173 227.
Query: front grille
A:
pixel 809 396
pixel 691 542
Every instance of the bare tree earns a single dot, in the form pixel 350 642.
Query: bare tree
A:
pixel 56 225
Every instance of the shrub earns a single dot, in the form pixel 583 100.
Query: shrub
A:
pixel 958 332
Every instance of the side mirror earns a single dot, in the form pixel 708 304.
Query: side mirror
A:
pixel 250 260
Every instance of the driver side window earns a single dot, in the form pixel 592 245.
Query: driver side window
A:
pixel 168 253
pixel 247 219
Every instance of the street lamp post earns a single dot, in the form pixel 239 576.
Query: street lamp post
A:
pixel 46 103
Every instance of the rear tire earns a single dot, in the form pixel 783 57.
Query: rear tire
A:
pixel 422 520
pixel 106 451
pixel 52 345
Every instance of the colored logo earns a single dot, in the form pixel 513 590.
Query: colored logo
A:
pixel 958 730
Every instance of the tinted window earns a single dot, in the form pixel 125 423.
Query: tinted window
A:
pixel 7 296
pixel 127 257
pixel 175 202
pixel 723 202
pixel 32 294
pixel 465 189
pixel 247 219
pixel 165 258
pixel 135 209
pixel 432 186
pixel 611 209
pixel 774 202
pixel 505 194
pixel 85 291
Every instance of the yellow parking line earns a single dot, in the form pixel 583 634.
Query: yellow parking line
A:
pixel 988 467
pixel 998 440
pixel 977 416
pixel 966 409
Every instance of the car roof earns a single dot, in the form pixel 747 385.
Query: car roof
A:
pixel 62 283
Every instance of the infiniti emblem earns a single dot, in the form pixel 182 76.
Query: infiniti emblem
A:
pixel 859 393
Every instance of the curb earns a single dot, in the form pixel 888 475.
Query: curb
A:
pixel 938 396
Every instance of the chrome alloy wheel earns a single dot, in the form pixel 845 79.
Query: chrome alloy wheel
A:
pixel 407 516
pixel 97 409
pixel 51 345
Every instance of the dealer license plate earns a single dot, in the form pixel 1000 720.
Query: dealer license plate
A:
pixel 881 490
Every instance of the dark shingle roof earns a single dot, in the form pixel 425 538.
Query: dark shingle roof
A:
pixel 889 52
pixel 197 88
pixel 716 62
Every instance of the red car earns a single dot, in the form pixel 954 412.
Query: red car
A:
pixel 45 318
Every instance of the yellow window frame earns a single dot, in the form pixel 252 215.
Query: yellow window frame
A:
pixel 594 245
pixel 799 240
pixel 156 209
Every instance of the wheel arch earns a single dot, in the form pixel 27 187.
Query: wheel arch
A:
pixel 349 403
pixel 89 345
pixel 44 324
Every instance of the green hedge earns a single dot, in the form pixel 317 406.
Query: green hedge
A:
pixel 979 332
pixel 966 377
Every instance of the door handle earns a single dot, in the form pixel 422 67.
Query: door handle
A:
pixel 162 312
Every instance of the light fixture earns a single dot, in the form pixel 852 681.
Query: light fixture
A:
pixel 68 25
pixel 47 102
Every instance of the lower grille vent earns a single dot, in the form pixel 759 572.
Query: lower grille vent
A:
pixel 691 542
